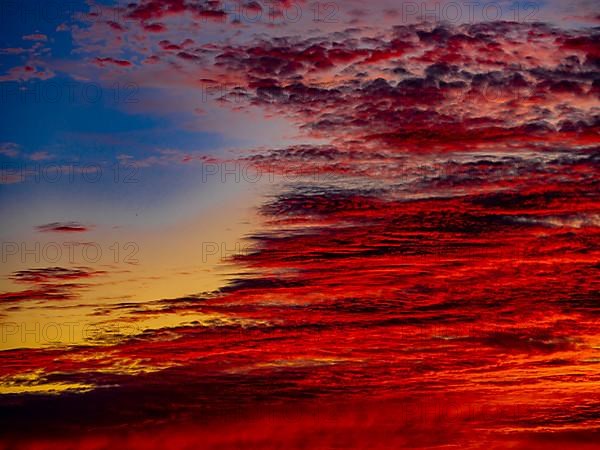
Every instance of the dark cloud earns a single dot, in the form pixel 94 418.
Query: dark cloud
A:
pixel 50 283
pixel 52 274
pixel 63 227
pixel 112 61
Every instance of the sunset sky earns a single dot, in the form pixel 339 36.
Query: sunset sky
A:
pixel 299 224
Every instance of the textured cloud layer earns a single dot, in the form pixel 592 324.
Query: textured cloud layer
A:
pixel 438 245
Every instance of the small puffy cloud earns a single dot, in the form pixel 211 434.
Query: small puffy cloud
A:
pixel 102 62
pixel 40 156
pixel 36 37
pixel 9 149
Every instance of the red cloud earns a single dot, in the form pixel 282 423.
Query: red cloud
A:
pixel 63 227
pixel 116 62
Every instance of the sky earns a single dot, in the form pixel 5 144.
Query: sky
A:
pixel 299 224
